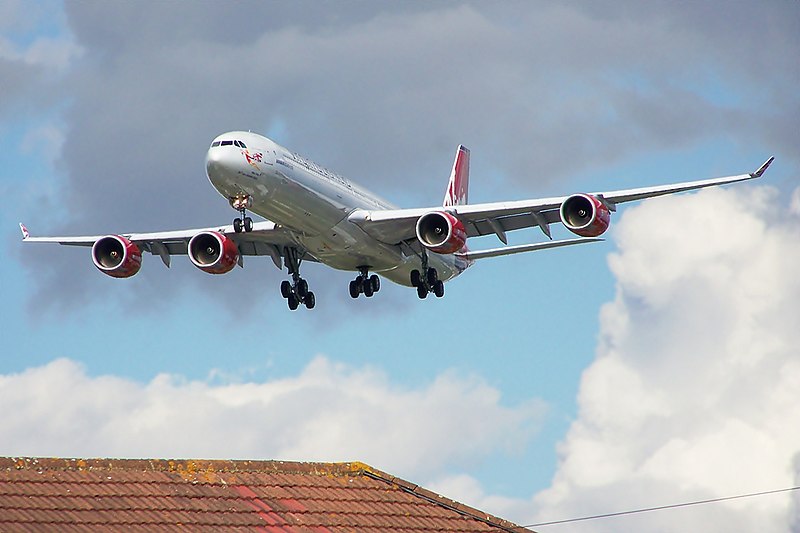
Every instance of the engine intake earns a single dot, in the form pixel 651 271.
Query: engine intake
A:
pixel 441 232
pixel 585 215
pixel 213 252
pixel 116 256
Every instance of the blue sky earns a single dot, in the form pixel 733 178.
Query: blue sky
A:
pixel 107 117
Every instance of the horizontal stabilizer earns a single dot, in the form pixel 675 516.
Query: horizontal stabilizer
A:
pixel 508 250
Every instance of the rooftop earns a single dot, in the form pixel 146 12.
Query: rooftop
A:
pixel 200 495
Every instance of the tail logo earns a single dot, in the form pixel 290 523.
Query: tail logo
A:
pixel 458 188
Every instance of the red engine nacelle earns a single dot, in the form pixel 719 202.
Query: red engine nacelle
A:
pixel 116 256
pixel 441 232
pixel 585 215
pixel 213 252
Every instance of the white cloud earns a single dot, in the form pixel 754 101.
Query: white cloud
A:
pixel 329 412
pixel 695 390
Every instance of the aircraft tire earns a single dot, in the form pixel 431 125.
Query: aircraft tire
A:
pixel 375 281
pixel 432 276
pixel 293 302
pixel 355 290
pixel 368 292
pixel 438 289
pixel 310 300
pixel 286 289
pixel 422 292
pixel 248 224
pixel 301 288
pixel 416 278
pixel 237 225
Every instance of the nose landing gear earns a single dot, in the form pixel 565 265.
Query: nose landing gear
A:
pixel 243 222
pixel 365 284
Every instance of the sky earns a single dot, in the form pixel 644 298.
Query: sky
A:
pixel 657 367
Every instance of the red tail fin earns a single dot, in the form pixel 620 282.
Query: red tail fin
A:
pixel 458 188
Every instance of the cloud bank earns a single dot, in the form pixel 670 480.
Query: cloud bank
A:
pixel 328 412
pixel 695 390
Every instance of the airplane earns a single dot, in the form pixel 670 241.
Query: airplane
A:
pixel 313 214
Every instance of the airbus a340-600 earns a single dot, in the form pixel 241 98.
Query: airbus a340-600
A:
pixel 313 214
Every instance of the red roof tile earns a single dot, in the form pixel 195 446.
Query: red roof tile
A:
pixel 180 495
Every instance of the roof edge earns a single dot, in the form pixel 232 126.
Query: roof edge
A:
pixel 205 469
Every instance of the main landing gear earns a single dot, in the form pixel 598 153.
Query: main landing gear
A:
pixel 243 222
pixel 296 292
pixel 428 283
pixel 365 284
pixel 427 280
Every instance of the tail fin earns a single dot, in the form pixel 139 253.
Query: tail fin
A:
pixel 458 188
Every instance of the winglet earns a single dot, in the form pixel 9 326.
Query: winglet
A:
pixel 25 233
pixel 763 168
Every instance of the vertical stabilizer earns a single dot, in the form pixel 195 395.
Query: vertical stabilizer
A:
pixel 458 188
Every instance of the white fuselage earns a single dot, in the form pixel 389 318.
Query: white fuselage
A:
pixel 313 204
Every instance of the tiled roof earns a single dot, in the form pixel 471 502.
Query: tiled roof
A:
pixel 181 495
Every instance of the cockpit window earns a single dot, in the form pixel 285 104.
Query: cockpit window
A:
pixel 238 143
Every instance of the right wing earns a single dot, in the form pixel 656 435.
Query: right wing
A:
pixel 398 225
pixel 267 238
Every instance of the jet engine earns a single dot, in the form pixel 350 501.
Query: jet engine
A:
pixel 116 256
pixel 585 215
pixel 213 252
pixel 441 232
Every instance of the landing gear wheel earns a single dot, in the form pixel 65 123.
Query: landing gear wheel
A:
pixel 286 289
pixel 416 278
pixel 301 288
pixel 422 292
pixel 247 224
pixel 432 276
pixel 237 225
pixel 364 283
pixel 310 300
pixel 293 302
pixel 438 289
pixel 355 289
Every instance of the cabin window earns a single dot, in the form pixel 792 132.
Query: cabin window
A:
pixel 215 143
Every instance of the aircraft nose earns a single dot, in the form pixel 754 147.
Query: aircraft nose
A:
pixel 219 162
pixel 213 160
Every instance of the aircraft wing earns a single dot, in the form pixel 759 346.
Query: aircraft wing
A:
pixel 398 225
pixel 267 238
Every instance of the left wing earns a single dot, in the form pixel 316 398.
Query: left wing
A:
pixel 267 238
pixel 398 225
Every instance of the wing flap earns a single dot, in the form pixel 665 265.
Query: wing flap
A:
pixel 509 250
